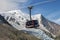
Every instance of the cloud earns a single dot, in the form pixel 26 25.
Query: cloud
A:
pixel 57 21
pixel 19 0
pixel 6 5
pixel 54 16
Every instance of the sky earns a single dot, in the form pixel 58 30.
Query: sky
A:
pixel 48 8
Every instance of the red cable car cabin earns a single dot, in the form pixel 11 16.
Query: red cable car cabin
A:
pixel 32 24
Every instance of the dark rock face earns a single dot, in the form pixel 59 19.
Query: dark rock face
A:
pixel 2 20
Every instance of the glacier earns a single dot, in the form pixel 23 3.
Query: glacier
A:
pixel 38 33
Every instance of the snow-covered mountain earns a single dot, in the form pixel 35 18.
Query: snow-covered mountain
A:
pixel 18 19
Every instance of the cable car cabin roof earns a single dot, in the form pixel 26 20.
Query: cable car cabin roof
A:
pixel 32 24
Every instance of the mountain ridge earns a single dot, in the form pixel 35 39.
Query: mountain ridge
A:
pixel 18 19
pixel 42 19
